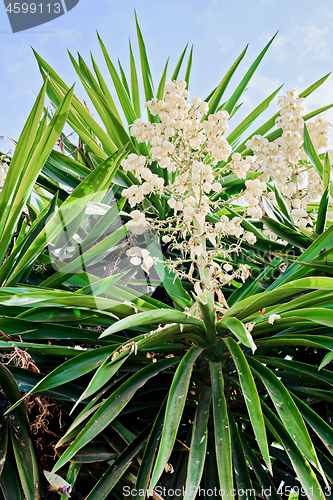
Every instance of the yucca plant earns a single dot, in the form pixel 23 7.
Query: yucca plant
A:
pixel 218 383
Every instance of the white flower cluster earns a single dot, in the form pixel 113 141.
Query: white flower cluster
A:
pixel 189 145
pixel 252 195
pixel 138 224
pixel 285 161
pixel 190 148
pixel 141 257
pixel 241 166
pixel 153 182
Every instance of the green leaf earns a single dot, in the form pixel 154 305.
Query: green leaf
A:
pixel 263 478
pixel 161 86
pixel 179 64
pixel 321 428
pixel 123 79
pixel 304 369
pixel 134 84
pixel 101 286
pixel 146 73
pixel 9 481
pixel 326 360
pixel 73 472
pixel 27 379
pixel 324 202
pixel 240 331
pixel 3 444
pixel 36 163
pixel 79 423
pixel 219 91
pixel 98 451
pixel 174 411
pixel 25 457
pixel 21 247
pixel 222 431
pixel 121 92
pixel 154 317
pixel 105 89
pixel 206 305
pixel 72 369
pixel 320 315
pixel 282 204
pixel 93 254
pixel 287 411
pixel 104 373
pixel 320 265
pixel 246 123
pixel 68 164
pixel 242 86
pixel 188 69
pixel 144 473
pixel 211 473
pixel 302 340
pixel 302 468
pixel 293 237
pixel 97 181
pixel 81 120
pixel 116 134
pixel 251 398
pixel 295 270
pixel 111 477
pixel 20 155
pixel 314 86
pixel 198 447
pixel 112 406
pixel 311 152
pixel 240 466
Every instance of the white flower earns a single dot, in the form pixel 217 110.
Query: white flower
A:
pixel 196 100
pixel 273 317
pixel 250 238
pixel 169 86
pixel 136 261
pixel 138 224
pixel 216 187
pixel 181 84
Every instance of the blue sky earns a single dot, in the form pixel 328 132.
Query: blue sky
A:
pixel 218 29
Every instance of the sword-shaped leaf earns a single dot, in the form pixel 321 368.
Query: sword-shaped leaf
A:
pixel 240 332
pixel 239 462
pixel 251 398
pixel 302 468
pixel 143 477
pixel 222 432
pixel 112 406
pixel 266 484
pixel 198 447
pixel 24 452
pixel 324 202
pixel 287 411
pixel 151 317
pixel 111 477
pixel 242 86
pixel 174 411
